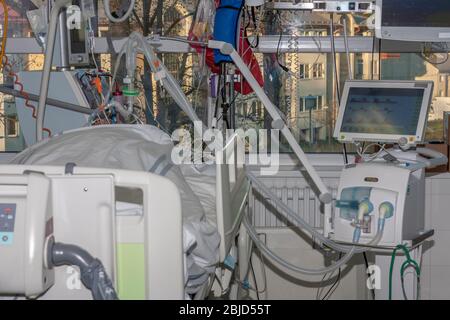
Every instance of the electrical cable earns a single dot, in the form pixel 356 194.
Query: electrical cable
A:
pixel 92 43
pixel 379 58
pixel 282 66
pixel 335 285
pixel 264 274
pixel 366 261
pixel 362 151
pixel 256 26
pixel 321 289
pixel 5 32
pixel 254 278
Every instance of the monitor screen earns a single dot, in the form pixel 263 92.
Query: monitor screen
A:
pixel 416 13
pixel 393 111
pixel 78 41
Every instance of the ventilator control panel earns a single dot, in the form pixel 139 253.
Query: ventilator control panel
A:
pixel 7 221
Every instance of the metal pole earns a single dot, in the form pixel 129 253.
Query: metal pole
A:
pixel 310 127
pixel 45 80
pixel 52 102
pixel 347 50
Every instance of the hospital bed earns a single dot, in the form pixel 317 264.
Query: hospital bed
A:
pixel 132 221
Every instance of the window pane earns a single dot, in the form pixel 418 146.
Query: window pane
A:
pixel 18 25
pixel 310 74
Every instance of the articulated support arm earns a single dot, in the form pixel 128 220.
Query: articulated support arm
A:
pixel 278 123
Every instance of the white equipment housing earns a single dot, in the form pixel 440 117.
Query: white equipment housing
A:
pixel 132 247
pixel 85 216
pixel 26 227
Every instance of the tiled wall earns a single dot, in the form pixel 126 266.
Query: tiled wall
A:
pixel 436 259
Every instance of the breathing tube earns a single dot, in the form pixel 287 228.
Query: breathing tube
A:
pixel 293 218
pixel 138 43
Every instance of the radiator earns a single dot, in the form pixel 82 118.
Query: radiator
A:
pixel 295 192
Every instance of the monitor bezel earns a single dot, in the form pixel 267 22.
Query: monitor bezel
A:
pixel 350 137
pixel 420 34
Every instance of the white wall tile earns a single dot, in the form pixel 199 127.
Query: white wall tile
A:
pixel 440 186
pixel 440 283
pixel 440 211
pixel 427 250
pixel 425 283
pixel 428 186
pixel 440 252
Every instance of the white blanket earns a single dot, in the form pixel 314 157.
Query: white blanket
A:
pixel 142 148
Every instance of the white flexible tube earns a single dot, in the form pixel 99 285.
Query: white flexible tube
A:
pixel 121 19
pixel 269 254
pixel 137 43
pixel 289 214
pixel 45 80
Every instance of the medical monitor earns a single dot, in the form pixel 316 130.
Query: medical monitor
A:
pixel 413 20
pixel 384 111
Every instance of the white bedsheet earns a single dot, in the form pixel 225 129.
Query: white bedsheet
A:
pixel 144 148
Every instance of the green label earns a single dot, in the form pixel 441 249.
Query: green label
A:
pixel 131 271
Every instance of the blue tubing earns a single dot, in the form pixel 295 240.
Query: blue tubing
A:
pixel 226 26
